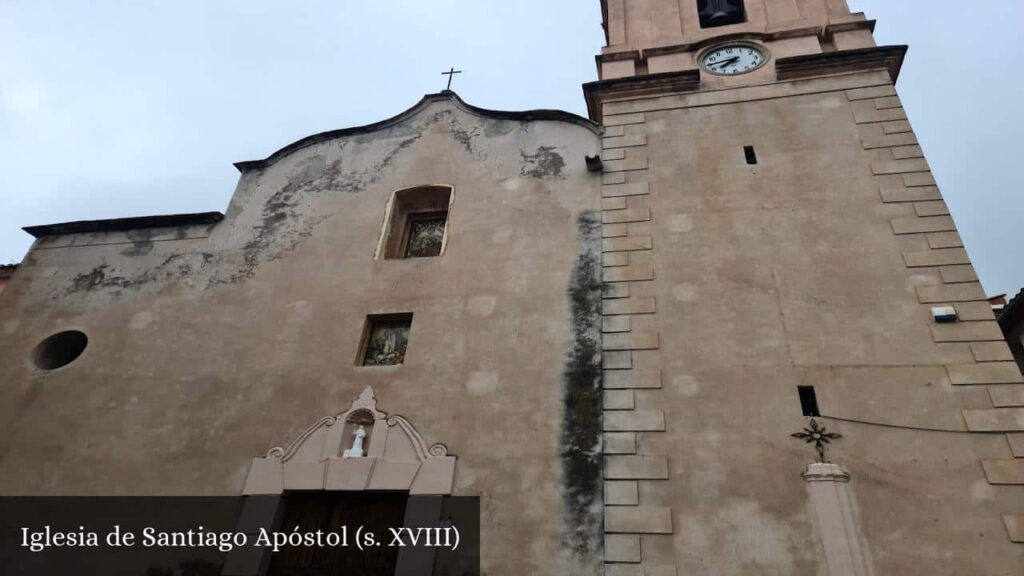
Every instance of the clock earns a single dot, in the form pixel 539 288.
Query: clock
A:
pixel 733 59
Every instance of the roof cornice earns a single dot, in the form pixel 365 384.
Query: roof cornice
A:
pixel 889 58
pixel 1012 314
pixel 124 224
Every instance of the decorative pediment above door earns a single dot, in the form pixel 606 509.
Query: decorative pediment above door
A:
pixel 360 449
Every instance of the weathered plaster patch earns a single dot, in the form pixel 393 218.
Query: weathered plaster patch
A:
pixel 481 306
pixel 502 234
pixel 684 292
pixel 11 326
pixel 829 103
pixel 463 136
pixel 680 223
pixel 756 537
pixel 707 481
pixel 545 163
pixel 693 530
pixel 482 383
pixel 300 311
pixel 554 331
pixel 687 385
pixel 280 226
pixel 581 427
pixel 982 491
pixel 510 184
pixel 97 278
pixel 495 128
pixel 140 320
pixel 286 219
pixel 138 249
pixel 924 280
pixel 142 242
pixel 104 279
pixel 288 216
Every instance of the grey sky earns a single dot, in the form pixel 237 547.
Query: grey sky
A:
pixel 114 108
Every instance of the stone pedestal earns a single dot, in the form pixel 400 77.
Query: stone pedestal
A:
pixel 828 485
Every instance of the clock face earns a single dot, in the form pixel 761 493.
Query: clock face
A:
pixel 733 59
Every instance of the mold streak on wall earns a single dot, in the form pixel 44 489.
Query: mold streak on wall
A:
pixel 581 430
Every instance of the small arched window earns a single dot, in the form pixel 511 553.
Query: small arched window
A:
pixel 714 13
pixel 416 225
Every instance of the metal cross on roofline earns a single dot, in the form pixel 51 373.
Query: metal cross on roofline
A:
pixel 450 74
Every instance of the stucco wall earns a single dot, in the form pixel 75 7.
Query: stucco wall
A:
pixel 208 346
pixel 797 271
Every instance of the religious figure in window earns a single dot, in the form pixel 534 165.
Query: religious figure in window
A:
pixel 386 343
pixel 426 235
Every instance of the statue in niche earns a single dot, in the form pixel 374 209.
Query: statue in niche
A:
pixel 356 451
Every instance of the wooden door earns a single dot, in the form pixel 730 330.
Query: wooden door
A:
pixel 328 511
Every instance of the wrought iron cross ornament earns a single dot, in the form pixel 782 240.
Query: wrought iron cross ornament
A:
pixel 817 435
pixel 451 74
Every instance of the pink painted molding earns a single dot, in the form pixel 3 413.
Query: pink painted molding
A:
pixel 396 457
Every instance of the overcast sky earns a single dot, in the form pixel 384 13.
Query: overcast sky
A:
pixel 113 108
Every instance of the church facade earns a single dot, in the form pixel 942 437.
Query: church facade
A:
pixel 724 326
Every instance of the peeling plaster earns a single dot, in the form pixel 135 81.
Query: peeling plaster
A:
pixel 283 225
pixel 104 277
pixel 543 163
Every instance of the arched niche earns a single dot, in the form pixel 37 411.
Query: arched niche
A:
pixel 396 457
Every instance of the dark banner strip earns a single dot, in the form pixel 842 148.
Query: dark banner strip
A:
pixel 300 533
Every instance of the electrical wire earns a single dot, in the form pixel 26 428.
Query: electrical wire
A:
pixel 902 427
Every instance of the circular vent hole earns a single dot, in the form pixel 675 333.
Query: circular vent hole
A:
pixel 59 350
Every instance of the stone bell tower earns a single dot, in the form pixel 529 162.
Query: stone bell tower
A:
pixel 776 249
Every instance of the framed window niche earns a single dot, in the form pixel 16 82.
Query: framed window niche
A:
pixel 385 340
pixel 416 223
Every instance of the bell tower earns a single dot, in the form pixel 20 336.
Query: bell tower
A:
pixel 650 37
pixel 779 260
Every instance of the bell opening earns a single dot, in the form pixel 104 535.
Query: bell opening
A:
pixel 715 13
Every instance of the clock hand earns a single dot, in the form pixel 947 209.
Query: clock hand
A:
pixel 726 62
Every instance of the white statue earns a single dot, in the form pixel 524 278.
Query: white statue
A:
pixel 356 451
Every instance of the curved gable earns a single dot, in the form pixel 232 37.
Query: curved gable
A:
pixel 525 116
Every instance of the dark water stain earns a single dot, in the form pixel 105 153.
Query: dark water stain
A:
pixel 138 249
pixel 496 128
pixel 543 164
pixel 141 235
pixel 582 424
pixel 174 267
pixel 464 136
pixel 99 277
